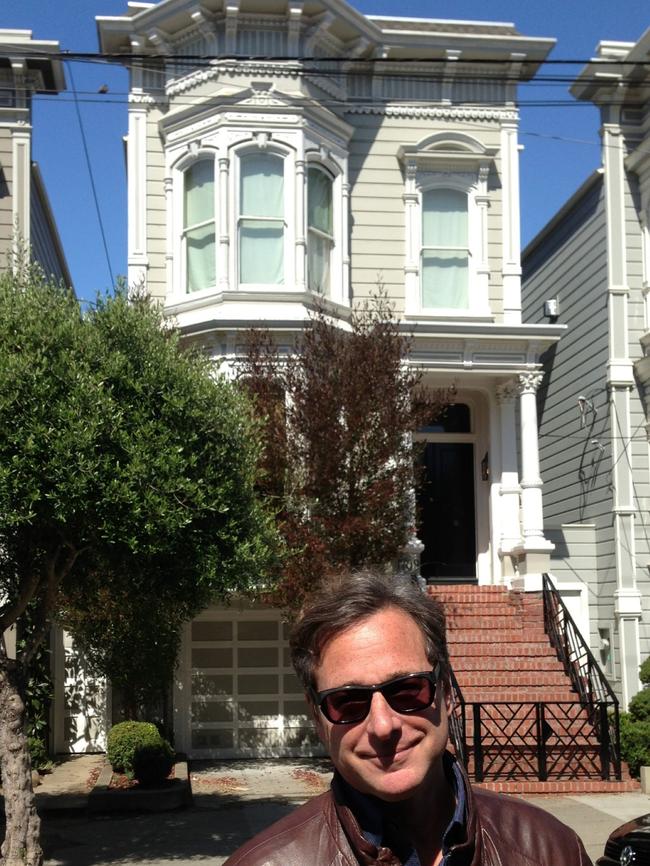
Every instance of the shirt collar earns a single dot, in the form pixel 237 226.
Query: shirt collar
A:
pixel 370 814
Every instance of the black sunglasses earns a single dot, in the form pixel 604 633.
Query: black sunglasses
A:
pixel 350 704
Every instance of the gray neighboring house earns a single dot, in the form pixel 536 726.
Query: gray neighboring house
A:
pixel 592 263
pixel 27 66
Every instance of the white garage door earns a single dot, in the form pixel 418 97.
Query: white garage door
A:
pixel 237 695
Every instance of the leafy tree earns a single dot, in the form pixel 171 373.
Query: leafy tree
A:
pixel 122 459
pixel 338 414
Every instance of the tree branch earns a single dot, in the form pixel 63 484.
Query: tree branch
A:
pixel 11 612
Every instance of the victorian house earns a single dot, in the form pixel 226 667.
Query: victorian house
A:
pixel 282 153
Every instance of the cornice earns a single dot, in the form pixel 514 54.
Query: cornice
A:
pixel 436 112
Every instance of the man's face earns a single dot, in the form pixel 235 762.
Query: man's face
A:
pixel 387 754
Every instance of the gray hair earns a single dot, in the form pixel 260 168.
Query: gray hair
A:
pixel 346 599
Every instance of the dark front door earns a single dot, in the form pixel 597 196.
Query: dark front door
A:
pixel 446 521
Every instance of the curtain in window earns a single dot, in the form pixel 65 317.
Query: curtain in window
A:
pixel 320 233
pixel 198 224
pixel 444 265
pixel 261 224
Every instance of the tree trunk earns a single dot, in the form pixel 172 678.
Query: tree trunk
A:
pixel 21 846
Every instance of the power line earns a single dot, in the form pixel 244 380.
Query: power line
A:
pixel 92 179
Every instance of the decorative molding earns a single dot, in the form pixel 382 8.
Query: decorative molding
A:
pixel 140 98
pixel 437 113
pixel 507 392
pixel 528 383
pixel 229 67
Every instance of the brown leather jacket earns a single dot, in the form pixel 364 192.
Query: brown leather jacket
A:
pixel 501 831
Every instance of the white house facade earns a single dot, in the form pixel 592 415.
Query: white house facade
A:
pixel 283 154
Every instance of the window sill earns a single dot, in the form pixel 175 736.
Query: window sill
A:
pixel 447 315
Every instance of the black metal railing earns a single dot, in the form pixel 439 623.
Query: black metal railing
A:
pixel 594 692
pixel 457 723
pixel 536 740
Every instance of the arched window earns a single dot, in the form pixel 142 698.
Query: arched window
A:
pixel 261 222
pixel 444 265
pixel 198 226
pixel 320 230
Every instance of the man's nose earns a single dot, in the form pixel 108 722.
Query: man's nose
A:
pixel 382 720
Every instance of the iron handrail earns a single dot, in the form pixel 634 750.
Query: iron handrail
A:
pixel 457 723
pixel 587 678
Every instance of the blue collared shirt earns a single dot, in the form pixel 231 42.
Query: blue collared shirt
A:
pixel 380 831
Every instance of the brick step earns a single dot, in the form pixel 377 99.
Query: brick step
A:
pixel 522 649
pixel 494 623
pixel 559 786
pixel 499 663
pixel 549 694
pixel 510 679
pixel 469 593
pixel 505 636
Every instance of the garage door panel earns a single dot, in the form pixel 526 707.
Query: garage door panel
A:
pixel 212 630
pixel 211 685
pixel 258 684
pixel 212 711
pixel 257 657
pixel 245 700
pixel 257 630
pixel 212 657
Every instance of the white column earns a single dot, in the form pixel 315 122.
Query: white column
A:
pixel 511 262
pixel 168 186
pixel 509 488
pixel 534 553
pixel 223 258
pixel 481 299
pixel 412 233
pixel 345 297
pixel 136 149
pixel 301 242
pixel 21 174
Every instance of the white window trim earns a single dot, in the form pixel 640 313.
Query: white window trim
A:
pixel 225 143
pixel 448 161
pixel 288 156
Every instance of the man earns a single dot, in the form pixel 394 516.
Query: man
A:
pixel 372 656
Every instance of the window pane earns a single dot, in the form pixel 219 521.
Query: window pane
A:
pixel 199 193
pixel 261 252
pixel 319 201
pixel 444 280
pixel 444 218
pixel 318 263
pixel 200 247
pixel 261 193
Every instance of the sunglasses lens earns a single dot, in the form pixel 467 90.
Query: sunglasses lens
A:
pixel 410 694
pixel 347 705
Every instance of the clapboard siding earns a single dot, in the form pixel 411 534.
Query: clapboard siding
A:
pixel 6 186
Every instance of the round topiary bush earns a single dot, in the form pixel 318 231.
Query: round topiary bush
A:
pixel 639 707
pixel 152 764
pixel 125 738
pixel 644 672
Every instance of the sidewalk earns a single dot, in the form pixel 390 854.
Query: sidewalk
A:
pixel 233 801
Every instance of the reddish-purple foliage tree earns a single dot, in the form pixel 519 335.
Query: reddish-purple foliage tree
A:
pixel 337 416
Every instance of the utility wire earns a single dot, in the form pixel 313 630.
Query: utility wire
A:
pixel 92 178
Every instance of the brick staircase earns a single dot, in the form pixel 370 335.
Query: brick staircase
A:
pixel 502 657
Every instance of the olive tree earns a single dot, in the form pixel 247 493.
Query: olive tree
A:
pixel 124 462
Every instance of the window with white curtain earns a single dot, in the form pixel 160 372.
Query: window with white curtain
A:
pixel 261 222
pixel 320 230
pixel 444 265
pixel 199 237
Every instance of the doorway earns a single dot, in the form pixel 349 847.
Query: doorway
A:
pixel 446 512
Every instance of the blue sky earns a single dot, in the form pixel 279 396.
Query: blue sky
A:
pixel 560 144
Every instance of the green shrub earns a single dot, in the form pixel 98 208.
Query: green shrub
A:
pixel 635 742
pixel 644 672
pixel 639 707
pixel 38 753
pixel 125 738
pixel 152 764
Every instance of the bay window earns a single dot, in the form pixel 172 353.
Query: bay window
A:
pixel 320 230
pixel 199 238
pixel 261 221
pixel 444 264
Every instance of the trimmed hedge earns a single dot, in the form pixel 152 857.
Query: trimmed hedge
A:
pixel 635 742
pixel 125 738
pixel 152 764
pixel 639 707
